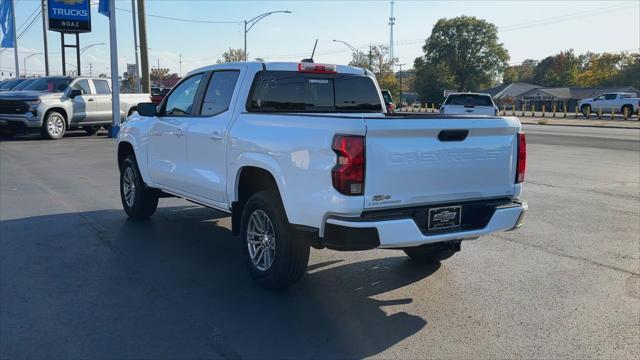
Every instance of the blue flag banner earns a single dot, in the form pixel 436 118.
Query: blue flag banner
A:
pixel 7 19
pixel 103 8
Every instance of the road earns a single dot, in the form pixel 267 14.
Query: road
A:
pixel 77 279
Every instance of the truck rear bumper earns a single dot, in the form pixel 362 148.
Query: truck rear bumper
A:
pixel 361 234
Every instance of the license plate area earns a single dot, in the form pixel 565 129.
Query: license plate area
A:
pixel 444 218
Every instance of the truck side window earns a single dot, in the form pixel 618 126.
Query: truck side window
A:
pixel 180 101
pixel 218 96
pixel 609 96
pixel 82 85
pixel 102 87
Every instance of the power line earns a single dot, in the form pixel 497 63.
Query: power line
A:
pixel 183 20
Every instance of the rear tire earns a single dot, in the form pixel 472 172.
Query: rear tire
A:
pixel 138 200
pixel 430 253
pixel 91 130
pixel 586 110
pixel 629 110
pixel 54 126
pixel 273 255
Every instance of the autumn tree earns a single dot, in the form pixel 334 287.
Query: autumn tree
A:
pixel 468 47
pixel 377 60
pixel 232 55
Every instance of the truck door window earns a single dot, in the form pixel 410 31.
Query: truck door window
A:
pixel 180 101
pixel 609 96
pixel 102 87
pixel 218 96
pixel 82 85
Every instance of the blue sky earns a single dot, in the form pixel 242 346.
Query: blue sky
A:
pixel 528 29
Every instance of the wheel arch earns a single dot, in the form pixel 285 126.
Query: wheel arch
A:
pixel 60 110
pixel 250 179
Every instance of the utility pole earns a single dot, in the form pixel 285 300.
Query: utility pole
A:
pixel 180 62
pixel 135 45
pixel 392 21
pixel 90 69
pixel 370 59
pixel 44 38
pixel 144 54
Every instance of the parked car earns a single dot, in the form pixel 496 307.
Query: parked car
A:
pixel 303 154
pixel 611 102
pixel 23 84
pixel 55 104
pixel 388 101
pixel 10 84
pixel 469 104
pixel 158 95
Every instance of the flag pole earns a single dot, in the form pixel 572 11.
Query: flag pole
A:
pixel 15 38
pixel 115 83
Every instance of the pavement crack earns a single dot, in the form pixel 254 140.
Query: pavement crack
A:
pixel 606 193
pixel 565 255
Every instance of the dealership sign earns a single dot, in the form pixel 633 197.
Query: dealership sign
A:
pixel 70 16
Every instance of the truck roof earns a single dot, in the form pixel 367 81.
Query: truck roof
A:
pixel 282 66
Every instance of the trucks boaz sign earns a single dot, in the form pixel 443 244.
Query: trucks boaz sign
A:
pixel 70 16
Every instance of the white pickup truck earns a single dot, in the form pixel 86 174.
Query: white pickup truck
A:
pixel 304 154
pixel 611 102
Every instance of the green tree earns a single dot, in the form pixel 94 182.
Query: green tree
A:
pixel 558 70
pixel 629 74
pixel 520 73
pixel 431 81
pixel 470 49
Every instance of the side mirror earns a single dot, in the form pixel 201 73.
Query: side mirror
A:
pixel 147 109
pixel 75 92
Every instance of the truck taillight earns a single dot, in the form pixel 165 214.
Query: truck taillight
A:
pixel 522 158
pixel 317 68
pixel 348 173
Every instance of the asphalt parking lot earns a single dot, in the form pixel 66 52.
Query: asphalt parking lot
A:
pixel 77 279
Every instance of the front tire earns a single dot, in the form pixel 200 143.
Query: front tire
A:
pixel 586 110
pixel 54 126
pixel 274 256
pixel 138 200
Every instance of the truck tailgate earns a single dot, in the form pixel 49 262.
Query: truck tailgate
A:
pixel 417 161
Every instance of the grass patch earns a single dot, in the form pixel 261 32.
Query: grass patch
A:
pixel 543 122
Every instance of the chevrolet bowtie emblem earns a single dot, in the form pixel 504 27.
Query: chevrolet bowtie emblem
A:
pixel 445 216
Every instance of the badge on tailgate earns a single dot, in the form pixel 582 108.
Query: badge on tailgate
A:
pixel 444 218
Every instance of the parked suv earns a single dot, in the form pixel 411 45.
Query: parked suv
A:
pixel 611 102
pixel 54 104
pixel 303 154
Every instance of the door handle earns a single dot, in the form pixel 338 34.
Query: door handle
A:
pixel 216 135
pixel 91 99
pixel 177 132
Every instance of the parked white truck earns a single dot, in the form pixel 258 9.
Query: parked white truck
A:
pixel 304 154
pixel 54 104
pixel 611 102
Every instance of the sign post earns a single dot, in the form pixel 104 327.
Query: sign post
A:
pixel 108 8
pixel 69 16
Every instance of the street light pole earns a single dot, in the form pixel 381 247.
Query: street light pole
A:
pixel 248 24
pixel 24 59
pixel 82 51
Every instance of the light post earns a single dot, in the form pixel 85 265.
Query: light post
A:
pixel 248 24
pixel 88 47
pixel 25 62
pixel 351 47
pixel 400 78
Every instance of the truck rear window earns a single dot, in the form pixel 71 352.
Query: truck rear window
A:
pixel 469 100
pixel 289 91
